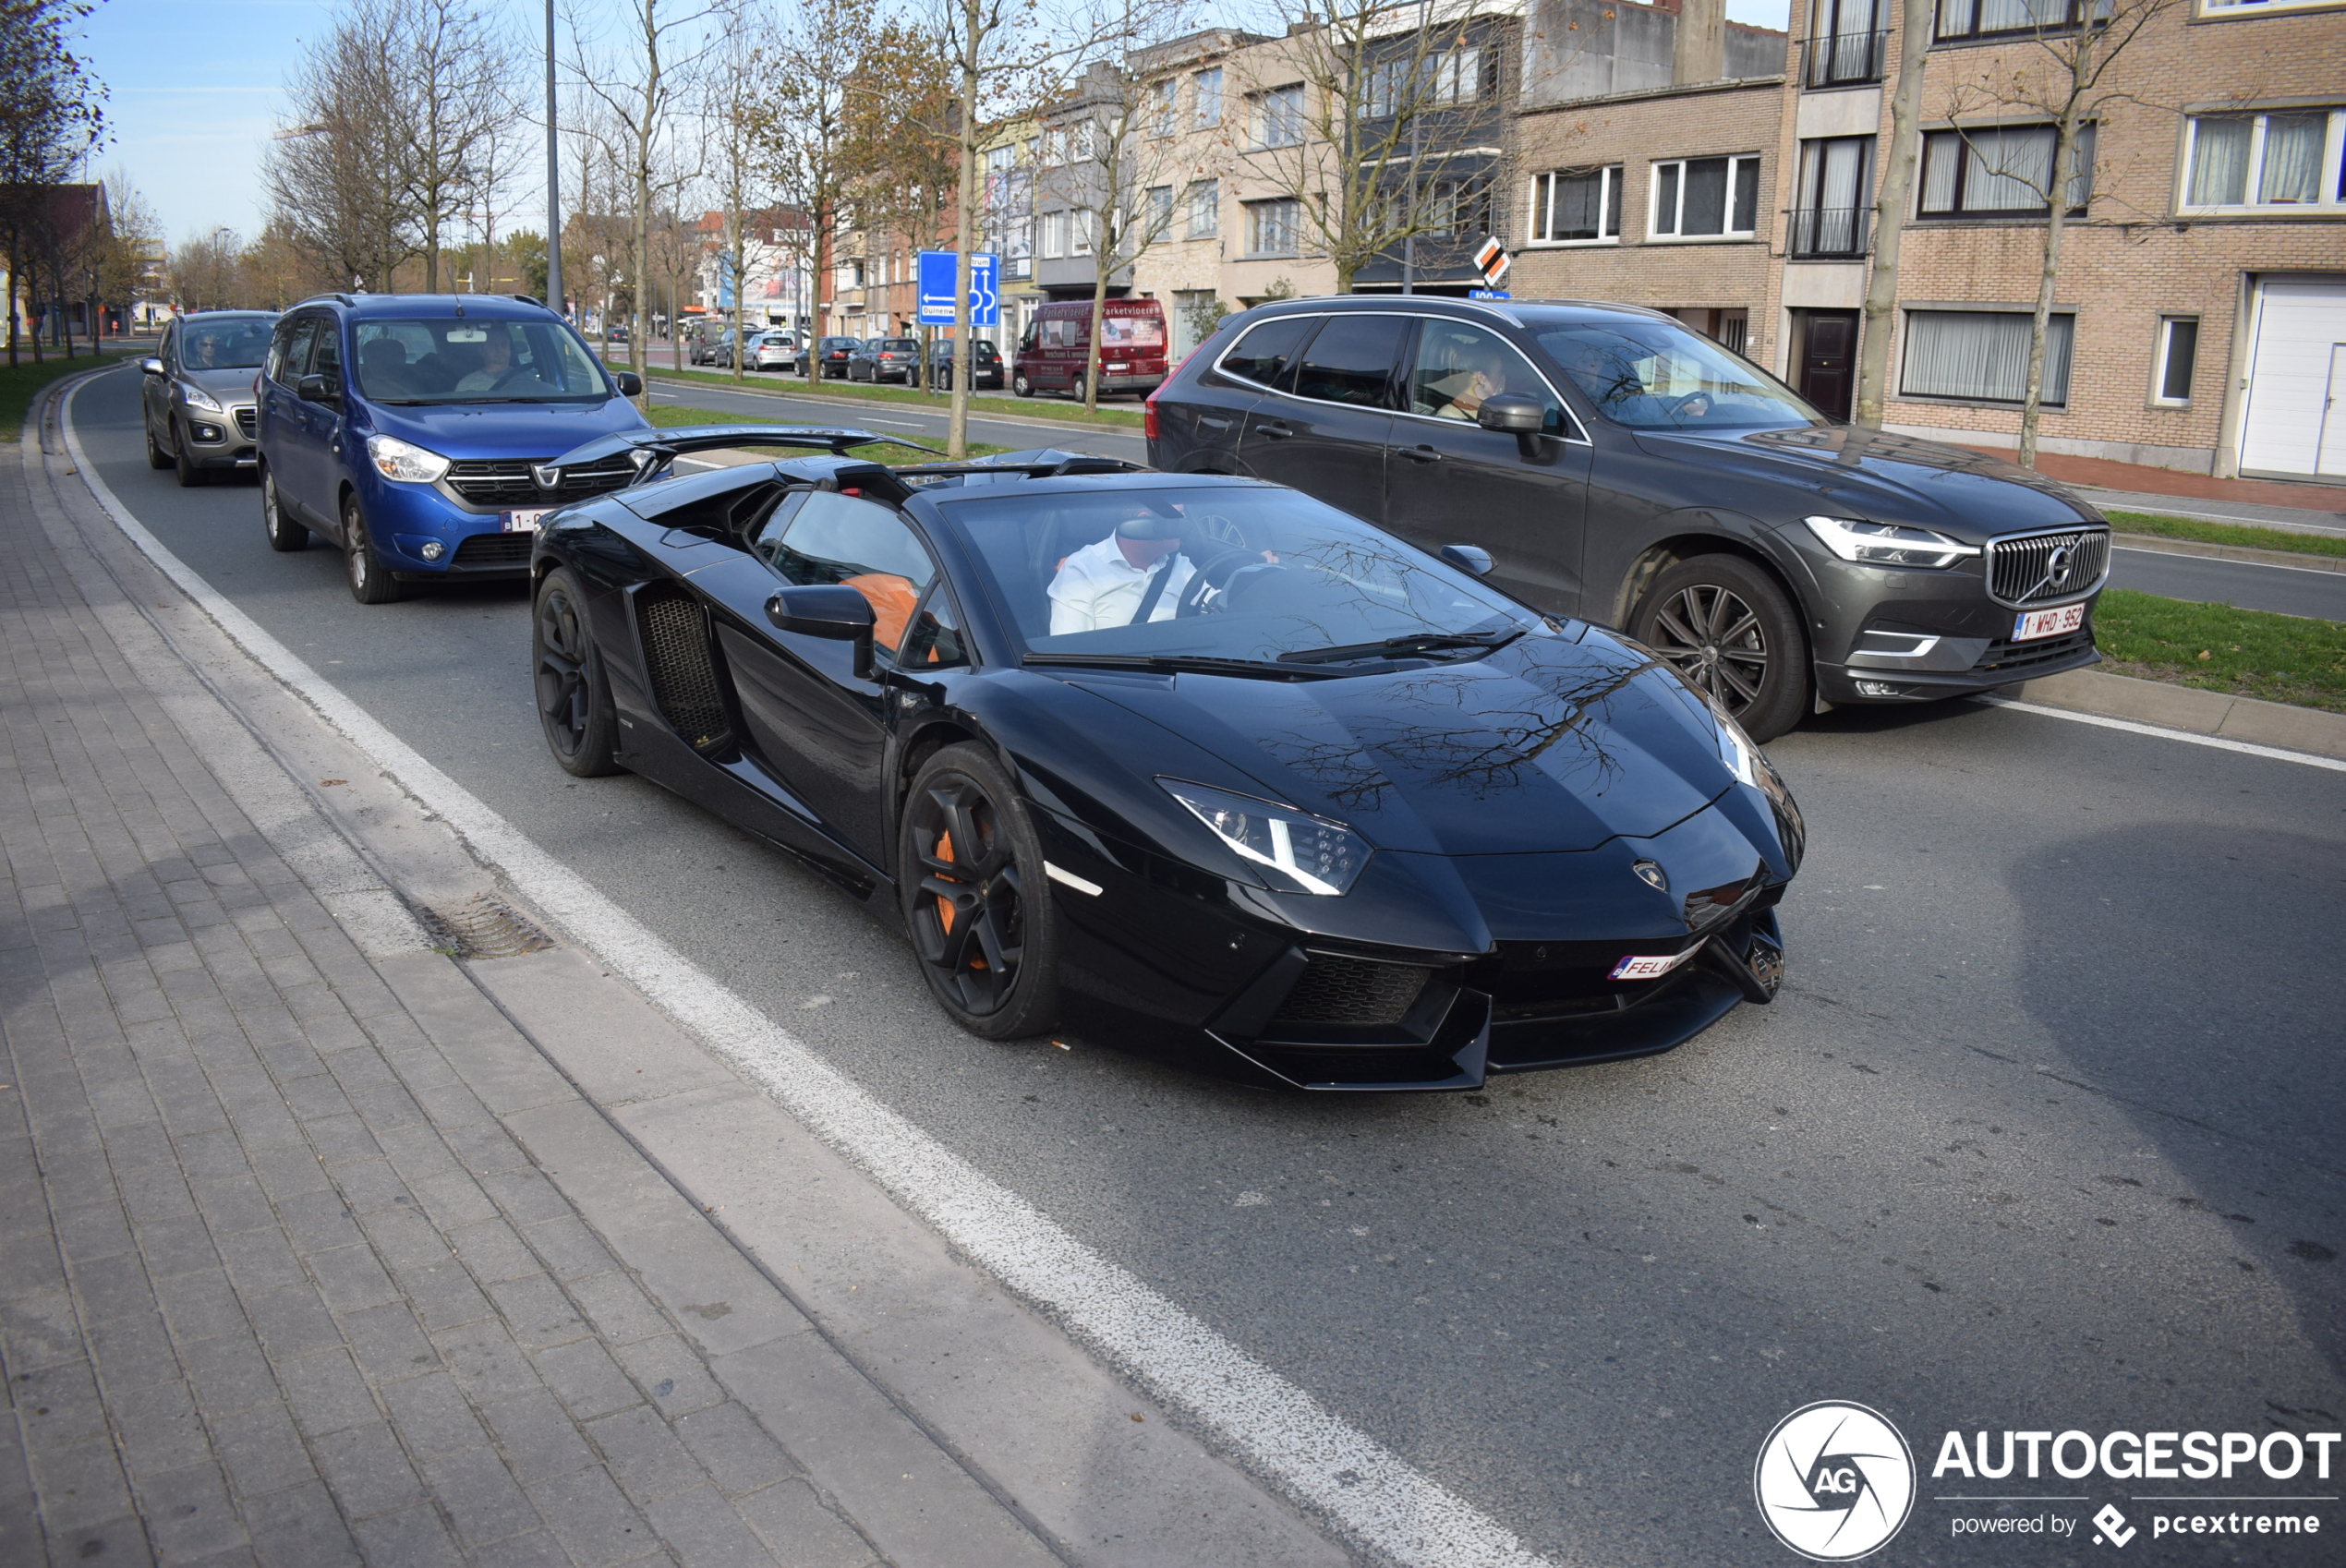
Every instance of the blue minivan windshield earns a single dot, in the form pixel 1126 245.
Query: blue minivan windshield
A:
pixel 453 359
pixel 1659 376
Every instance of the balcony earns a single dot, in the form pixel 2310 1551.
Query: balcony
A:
pixel 1827 234
pixel 1843 59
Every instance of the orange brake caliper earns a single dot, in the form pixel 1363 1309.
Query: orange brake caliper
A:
pixel 945 905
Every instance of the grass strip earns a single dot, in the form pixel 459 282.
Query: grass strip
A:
pixel 22 382
pixel 1067 412
pixel 2242 653
pixel 2241 535
pixel 668 416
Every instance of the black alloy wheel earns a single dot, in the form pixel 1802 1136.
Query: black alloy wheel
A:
pixel 285 534
pixel 976 897
pixel 370 583
pixel 1725 626
pixel 189 475
pixel 574 701
pixel 156 456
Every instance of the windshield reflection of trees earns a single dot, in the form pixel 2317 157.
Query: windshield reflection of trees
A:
pixel 1427 725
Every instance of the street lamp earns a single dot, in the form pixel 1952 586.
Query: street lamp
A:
pixel 554 180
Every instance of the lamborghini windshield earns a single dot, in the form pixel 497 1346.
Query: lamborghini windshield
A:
pixel 1261 574
pixel 480 360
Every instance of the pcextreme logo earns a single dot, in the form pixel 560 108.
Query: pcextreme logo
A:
pixel 1834 1481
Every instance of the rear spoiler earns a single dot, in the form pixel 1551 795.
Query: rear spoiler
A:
pixel 652 452
pixel 1042 463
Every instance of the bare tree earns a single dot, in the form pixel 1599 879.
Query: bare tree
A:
pixel 2063 78
pixel 1891 204
pixel 333 171
pixel 734 156
pixel 799 121
pixel 1369 131
pixel 453 75
pixel 204 271
pixel 902 146
pixel 50 118
pixel 128 259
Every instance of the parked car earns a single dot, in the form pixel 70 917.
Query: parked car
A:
pixel 884 360
pixel 421 432
pixel 1621 468
pixel 1197 768
pixel 1054 351
pixel 715 347
pixel 615 333
pixel 833 354
pixel 774 351
pixel 198 392
pixel 985 365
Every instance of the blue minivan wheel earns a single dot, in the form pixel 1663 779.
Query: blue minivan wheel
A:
pixel 370 583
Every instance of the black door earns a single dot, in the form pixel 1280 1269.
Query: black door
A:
pixel 1447 480
pixel 817 728
pixel 1327 435
pixel 1199 424
pixel 1828 367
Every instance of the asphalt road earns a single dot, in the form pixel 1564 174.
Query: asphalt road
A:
pixel 2251 584
pixel 2047 1132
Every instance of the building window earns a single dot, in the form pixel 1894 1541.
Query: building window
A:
pixel 2178 356
pixel 1576 206
pixel 1083 230
pixel 1279 116
pixel 1160 213
pixel 1845 46
pixel 1168 95
pixel 1444 80
pixel 2227 10
pixel 1999 171
pixel 2286 157
pixel 1455 207
pixel 1705 198
pixel 1274 228
pixel 1982 355
pixel 1051 235
pixel 1207 101
pixel 1206 209
pixel 1829 216
pixel 1992 19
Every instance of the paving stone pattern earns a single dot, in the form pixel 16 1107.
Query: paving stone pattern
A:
pixel 274 1286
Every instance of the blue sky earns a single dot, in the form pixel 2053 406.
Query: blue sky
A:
pixel 195 86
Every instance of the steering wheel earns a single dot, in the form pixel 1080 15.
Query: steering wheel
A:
pixel 1687 408
pixel 1256 577
pixel 1217 568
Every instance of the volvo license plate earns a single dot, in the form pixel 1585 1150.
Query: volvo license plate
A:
pixel 526 522
pixel 2036 623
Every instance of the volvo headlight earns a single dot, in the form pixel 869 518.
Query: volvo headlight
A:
pixel 1294 852
pixel 196 397
pixel 1887 544
pixel 409 464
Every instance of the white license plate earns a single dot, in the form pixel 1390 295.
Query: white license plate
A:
pixel 526 522
pixel 1650 968
pixel 2037 624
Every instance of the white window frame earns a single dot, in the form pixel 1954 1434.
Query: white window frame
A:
pixel 1206 100
pixel 2162 349
pixel 2243 10
pixel 1165 116
pixel 1541 215
pixel 1254 212
pixel 1655 235
pixel 1286 120
pixel 1050 239
pixel 2333 151
pixel 1203 197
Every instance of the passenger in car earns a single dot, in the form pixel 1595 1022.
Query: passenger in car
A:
pixel 1136 574
pixel 1459 395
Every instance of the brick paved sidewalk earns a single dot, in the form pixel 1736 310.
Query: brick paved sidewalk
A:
pixel 277 1284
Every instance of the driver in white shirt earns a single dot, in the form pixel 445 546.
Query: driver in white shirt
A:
pixel 1107 583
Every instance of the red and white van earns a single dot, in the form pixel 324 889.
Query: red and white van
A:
pixel 1055 353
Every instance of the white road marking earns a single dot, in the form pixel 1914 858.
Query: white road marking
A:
pixel 2161 733
pixel 1319 1459
pixel 2186 555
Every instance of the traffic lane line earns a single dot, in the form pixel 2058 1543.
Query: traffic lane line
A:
pixel 2246 584
pixel 2156 731
pixel 1317 1458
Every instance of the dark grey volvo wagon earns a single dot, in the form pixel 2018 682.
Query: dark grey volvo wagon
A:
pixel 1620 468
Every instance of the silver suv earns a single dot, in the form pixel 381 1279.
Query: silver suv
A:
pixel 198 396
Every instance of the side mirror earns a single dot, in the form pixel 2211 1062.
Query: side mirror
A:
pixel 832 611
pixel 314 388
pixel 1509 411
pixel 150 366
pixel 630 383
pixel 1469 557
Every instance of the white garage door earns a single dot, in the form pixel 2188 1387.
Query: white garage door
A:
pixel 2295 421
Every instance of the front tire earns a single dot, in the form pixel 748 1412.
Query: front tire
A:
pixel 370 583
pixel 1021 386
pixel 976 898
pixel 283 533
pixel 574 700
pixel 1726 626
pixel 189 475
pixel 156 456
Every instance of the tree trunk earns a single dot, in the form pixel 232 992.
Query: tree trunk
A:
pixel 1092 355
pixel 1890 219
pixel 2057 208
pixel 738 261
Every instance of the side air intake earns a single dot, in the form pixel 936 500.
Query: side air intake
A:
pixel 682 663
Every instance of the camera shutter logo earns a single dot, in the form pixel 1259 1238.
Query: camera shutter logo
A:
pixel 1834 1481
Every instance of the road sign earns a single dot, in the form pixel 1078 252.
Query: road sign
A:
pixel 1493 261
pixel 937 288
pixel 1488 294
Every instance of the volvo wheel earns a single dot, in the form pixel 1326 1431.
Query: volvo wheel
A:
pixel 574 700
pixel 1729 629
pixel 976 897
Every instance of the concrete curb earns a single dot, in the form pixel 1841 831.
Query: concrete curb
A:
pixel 2185 708
pixel 2229 553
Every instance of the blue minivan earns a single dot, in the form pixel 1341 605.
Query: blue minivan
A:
pixel 418 431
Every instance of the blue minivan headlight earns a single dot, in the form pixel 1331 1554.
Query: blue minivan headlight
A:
pixel 405 460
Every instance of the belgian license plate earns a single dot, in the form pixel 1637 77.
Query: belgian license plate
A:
pixel 526 522
pixel 2037 623
pixel 1649 967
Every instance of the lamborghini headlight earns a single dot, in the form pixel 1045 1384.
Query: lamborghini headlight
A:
pixel 1294 852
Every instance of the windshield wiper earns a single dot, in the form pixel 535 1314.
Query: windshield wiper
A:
pixel 1418 641
pixel 1177 663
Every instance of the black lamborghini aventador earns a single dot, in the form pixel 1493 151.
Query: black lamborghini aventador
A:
pixel 1197 768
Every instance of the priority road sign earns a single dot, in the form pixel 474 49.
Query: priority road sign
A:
pixel 1493 261
pixel 936 268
